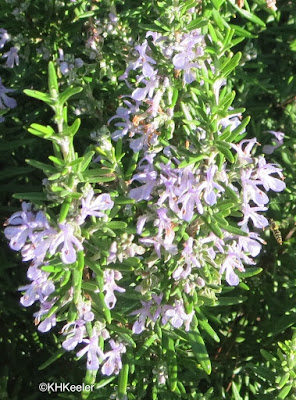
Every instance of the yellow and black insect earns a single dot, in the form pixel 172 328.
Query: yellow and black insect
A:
pixel 276 232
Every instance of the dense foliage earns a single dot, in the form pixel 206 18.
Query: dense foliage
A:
pixel 152 237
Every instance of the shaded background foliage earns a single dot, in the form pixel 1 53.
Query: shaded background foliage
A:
pixel 251 317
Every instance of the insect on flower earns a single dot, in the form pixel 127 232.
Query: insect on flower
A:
pixel 276 232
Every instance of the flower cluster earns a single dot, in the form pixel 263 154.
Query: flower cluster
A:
pixel 30 232
pixel 199 196
pixel 188 199
pixel 12 59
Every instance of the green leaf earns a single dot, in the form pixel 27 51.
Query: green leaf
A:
pixel 197 23
pixel 230 301
pixel 223 147
pixel 214 227
pixel 41 130
pixel 46 168
pixel 191 160
pixel 72 130
pixel 40 96
pixel 89 286
pixel 174 97
pixel 199 349
pixel 284 380
pixel 233 229
pixel 150 27
pixel 221 221
pixel 237 131
pixel 285 391
pixel 162 25
pixel 248 15
pixel 225 205
pixel 123 380
pixel 236 392
pixel 12 172
pixel 57 161
pixel 249 272
pixel 220 21
pixel 69 92
pixel 149 342
pixel 230 64
pixel 203 323
pixel 242 32
pixel 270 358
pixel 212 32
pixel 52 268
pixel 31 196
pixel 86 14
pixel 116 225
pixel 87 157
pixel 172 364
pixel 230 193
pixel 52 359
pixel 225 103
pixel 187 5
pixel 65 209
pixel 217 3
pixel 90 379
pixel 52 80
pixel 283 323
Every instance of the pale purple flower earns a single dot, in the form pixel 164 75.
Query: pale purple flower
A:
pixel 190 49
pixel 232 119
pixel 165 226
pixel 40 246
pixel 84 309
pixel 228 266
pixel 126 126
pixel 251 190
pixel 183 61
pixel 65 67
pixel 5 101
pixel 39 289
pixel 151 310
pixel 250 244
pixel 177 316
pixel 110 275
pixel 144 192
pixel 189 200
pixel 4 37
pixel 113 357
pixel 264 172
pixel 210 195
pixel 190 260
pixel 69 243
pixel 12 57
pixel 144 60
pixel 258 220
pixel 75 335
pixel 244 150
pixel 78 62
pixel 278 141
pixel 140 94
pixel 234 261
pixel 94 206
pixel 24 223
pixel 48 322
pixel 158 242
pixel 94 352
pixel 141 223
